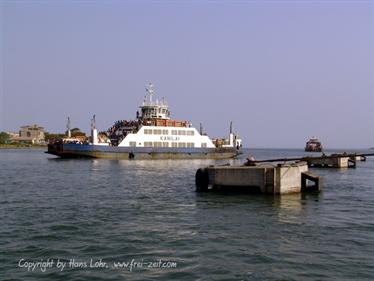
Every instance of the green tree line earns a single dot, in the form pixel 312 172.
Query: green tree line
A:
pixel 4 138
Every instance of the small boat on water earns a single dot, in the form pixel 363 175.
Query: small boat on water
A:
pixel 313 145
pixel 152 135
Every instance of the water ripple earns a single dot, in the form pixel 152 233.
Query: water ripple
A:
pixel 120 211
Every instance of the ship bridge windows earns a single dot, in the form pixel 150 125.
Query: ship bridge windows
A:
pixel 183 132
pixel 148 144
pixel 157 144
pixel 166 132
pixel 156 132
pixel 181 144
pixel 132 143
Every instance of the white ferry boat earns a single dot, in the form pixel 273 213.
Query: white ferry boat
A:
pixel 153 135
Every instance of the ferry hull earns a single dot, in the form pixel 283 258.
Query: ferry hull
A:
pixel 115 152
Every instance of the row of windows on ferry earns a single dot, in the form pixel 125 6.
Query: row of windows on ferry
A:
pixel 166 132
pixel 166 144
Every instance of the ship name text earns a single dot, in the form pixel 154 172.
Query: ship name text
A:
pixel 169 138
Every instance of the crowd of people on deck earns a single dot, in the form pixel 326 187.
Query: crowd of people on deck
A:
pixel 132 124
pixel 75 141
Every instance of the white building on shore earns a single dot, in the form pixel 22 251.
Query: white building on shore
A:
pixel 31 134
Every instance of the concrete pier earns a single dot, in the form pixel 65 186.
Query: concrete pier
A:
pixel 307 176
pixel 358 158
pixel 266 178
pixel 331 162
pixel 342 160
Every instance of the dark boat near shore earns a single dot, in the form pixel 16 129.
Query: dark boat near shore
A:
pixel 313 145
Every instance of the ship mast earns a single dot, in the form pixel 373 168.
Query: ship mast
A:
pixel 94 130
pixel 153 109
pixel 149 88
pixel 68 127
pixel 93 122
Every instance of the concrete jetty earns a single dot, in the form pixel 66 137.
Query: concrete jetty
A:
pixel 264 178
pixel 358 157
pixel 343 160
pixel 332 162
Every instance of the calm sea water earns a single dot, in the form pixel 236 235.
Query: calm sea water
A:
pixel 143 220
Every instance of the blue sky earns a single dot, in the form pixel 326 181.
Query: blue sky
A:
pixel 282 71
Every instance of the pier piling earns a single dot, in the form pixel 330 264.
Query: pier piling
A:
pixel 308 176
pixel 342 160
pixel 266 178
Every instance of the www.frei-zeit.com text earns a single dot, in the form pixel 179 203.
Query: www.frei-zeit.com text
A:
pixel 64 264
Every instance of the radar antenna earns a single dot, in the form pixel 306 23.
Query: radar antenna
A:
pixel 149 88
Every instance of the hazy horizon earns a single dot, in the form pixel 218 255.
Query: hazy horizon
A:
pixel 281 71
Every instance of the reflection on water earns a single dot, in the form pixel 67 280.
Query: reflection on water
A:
pixel 290 208
pixel 120 210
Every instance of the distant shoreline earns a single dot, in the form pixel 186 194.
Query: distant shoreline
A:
pixel 36 146
pixel 18 146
